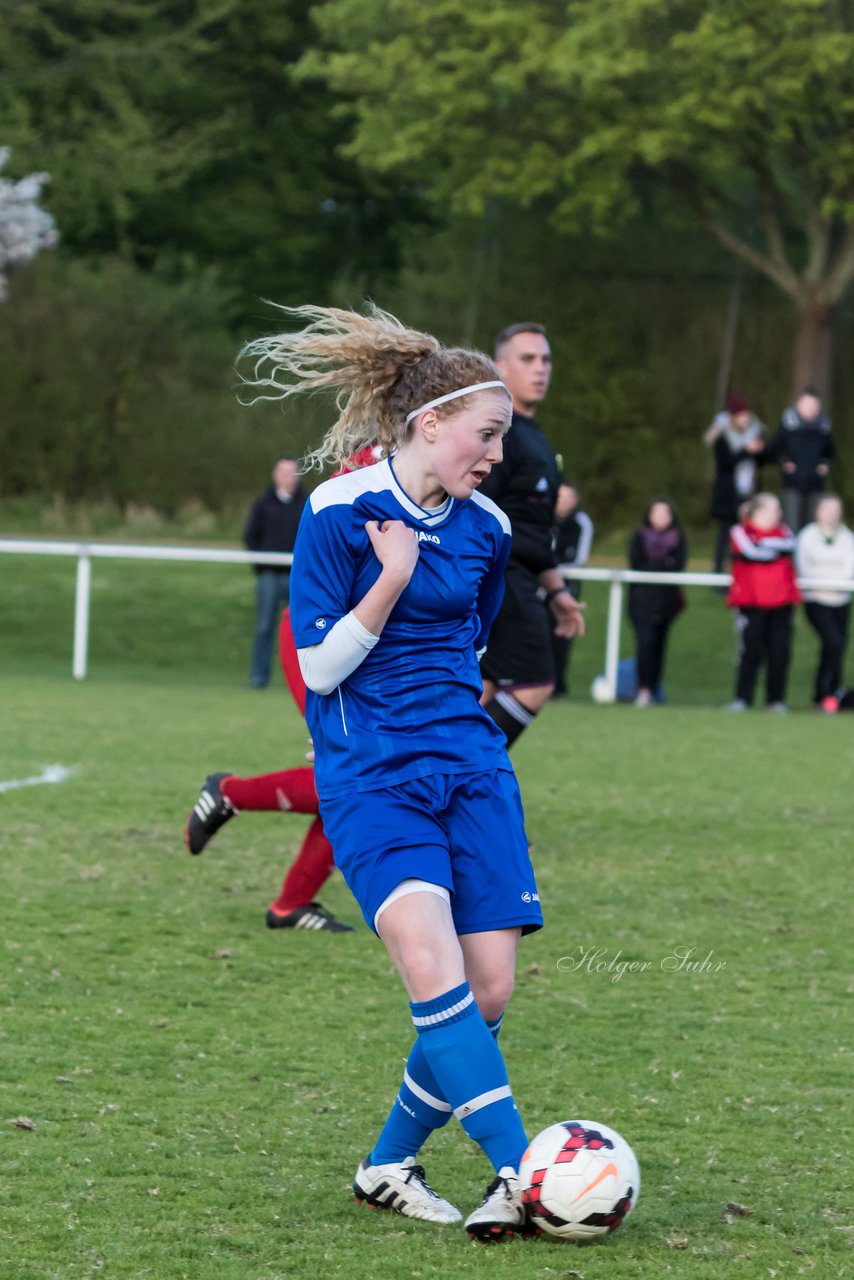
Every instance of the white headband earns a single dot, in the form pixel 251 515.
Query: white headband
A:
pixel 453 395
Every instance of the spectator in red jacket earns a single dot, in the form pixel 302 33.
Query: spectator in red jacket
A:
pixel 763 591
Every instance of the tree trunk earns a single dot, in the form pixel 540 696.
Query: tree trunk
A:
pixel 729 336
pixel 813 349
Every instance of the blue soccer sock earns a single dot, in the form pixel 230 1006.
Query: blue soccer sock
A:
pixel 418 1109
pixel 466 1063
pixel 495 1026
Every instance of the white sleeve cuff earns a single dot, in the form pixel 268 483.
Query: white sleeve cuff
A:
pixel 326 665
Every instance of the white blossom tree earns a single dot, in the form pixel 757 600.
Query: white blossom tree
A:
pixel 25 228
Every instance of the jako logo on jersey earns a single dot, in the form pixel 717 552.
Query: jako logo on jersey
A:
pixel 421 536
pixel 321 624
pixel 530 897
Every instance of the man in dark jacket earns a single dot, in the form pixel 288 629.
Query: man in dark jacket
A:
pixel 272 526
pixel 518 667
pixel 803 446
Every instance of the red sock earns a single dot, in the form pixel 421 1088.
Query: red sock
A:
pixel 291 790
pixel 311 869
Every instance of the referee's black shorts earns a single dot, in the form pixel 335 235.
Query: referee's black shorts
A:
pixel 519 650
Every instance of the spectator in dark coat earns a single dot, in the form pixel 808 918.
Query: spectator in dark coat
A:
pixel 736 439
pixel 657 546
pixel 573 538
pixel 272 526
pixel 803 446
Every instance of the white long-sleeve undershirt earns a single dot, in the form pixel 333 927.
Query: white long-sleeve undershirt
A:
pixel 585 540
pixel 768 548
pixel 326 665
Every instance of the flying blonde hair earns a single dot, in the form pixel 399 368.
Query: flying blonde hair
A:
pixel 379 369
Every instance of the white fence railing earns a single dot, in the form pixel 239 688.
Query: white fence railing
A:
pixel 86 552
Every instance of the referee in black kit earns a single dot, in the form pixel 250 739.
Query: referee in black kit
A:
pixel 518 666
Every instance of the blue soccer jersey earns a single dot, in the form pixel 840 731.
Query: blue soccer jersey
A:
pixel 411 708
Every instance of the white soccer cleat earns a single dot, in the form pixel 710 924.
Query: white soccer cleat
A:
pixel 403 1188
pixel 502 1213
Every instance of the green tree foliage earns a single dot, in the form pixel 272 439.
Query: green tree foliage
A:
pixel 25 227
pixel 740 113
pixel 189 177
pixel 636 325
pixel 119 386
pixel 85 88
pixel 195 169
pixel 173 128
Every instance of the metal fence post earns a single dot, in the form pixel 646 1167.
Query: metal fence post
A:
pixel 612 643
pixel 85 552
pixel 81 617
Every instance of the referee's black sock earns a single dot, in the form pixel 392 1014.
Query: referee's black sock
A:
pixel 509 714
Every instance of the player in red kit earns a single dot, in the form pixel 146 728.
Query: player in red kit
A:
pixel 288 791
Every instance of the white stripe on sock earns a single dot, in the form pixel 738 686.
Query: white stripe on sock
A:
pixel 430 1019
pixel 514 708
pixel 438 1104
pixel 481 1101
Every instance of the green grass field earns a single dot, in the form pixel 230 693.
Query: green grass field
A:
pixel 201 1089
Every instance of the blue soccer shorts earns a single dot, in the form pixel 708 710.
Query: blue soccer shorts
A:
pixel 463 831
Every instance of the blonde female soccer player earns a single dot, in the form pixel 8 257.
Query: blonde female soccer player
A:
pixel 397 576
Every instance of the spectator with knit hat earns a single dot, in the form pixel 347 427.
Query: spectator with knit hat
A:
pixel 736 439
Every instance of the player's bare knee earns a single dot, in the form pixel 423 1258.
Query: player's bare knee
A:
pixel 426 972
pixel 536 697
pixel 492 994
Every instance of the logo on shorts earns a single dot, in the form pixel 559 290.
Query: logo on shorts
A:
pixel 530 897
pixel 321 624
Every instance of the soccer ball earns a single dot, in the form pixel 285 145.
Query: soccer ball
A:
pixel 601 691
pixel 579 1179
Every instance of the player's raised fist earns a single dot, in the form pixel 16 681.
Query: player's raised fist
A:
pixel 395 546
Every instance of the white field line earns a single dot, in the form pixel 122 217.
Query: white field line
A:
pixel 50 773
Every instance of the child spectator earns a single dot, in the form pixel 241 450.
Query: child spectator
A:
pixel 657 546
pixel 573 538
pixel 826 550
pixel 735 437
pixel 763 592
